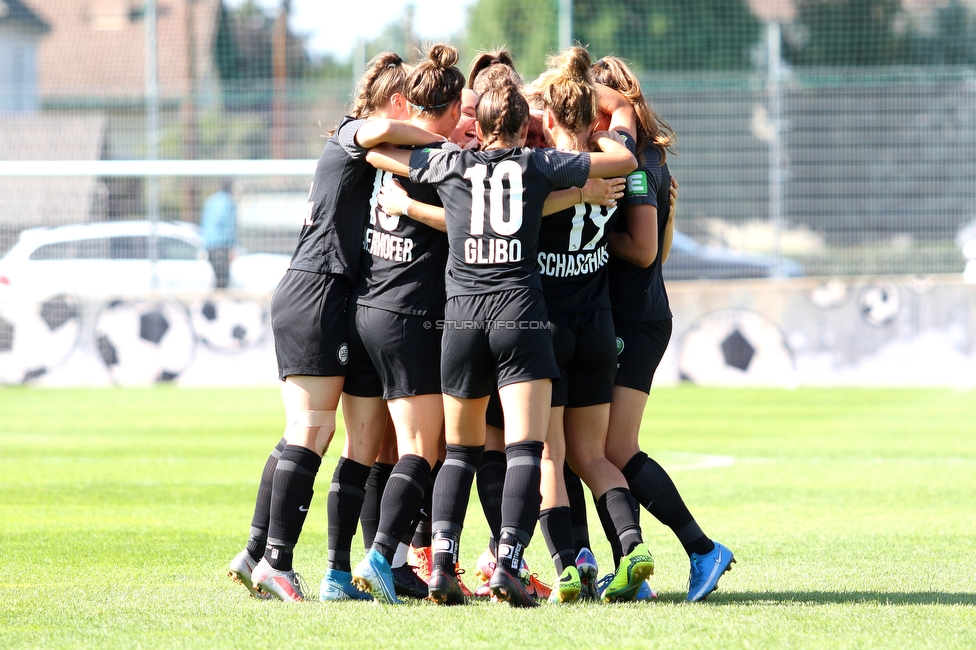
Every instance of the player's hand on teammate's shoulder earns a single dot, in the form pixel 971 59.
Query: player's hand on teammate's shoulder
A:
pixel 603 191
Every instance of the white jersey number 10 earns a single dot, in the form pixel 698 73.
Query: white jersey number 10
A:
pixel 505 220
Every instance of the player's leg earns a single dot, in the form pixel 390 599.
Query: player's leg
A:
pixel 555 517
pixel 418 420
pixel 464 427
pixel 649 482
pixel 242 566
pixel 420 553
pixel 491 473
pixel 526 367
pixel 308 313
pixel 585 440
pixel 526 408
pixel 310 407
pixel 586 564
pixel 466 366
pixel 366 422
pixel 555 520
pixel 491 484
pixel 379 475
pixel 591 373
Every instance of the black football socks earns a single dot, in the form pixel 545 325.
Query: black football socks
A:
pixel 345 503
pixel 291 496
pixel 421 526
pixel 370 517
pixel 491 484
pixel 520 502
pixel 655 490
pixel 577 508
pixel 402 498
pixel 557 529
pixel 258 539
pixel 616 507
pixel 451 493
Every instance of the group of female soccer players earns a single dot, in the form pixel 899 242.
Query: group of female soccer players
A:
pixel 482 309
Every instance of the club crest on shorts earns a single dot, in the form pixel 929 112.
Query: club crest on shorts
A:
pixel 343 354
pixel 620 345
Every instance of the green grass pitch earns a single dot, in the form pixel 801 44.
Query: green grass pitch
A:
pixel 851 514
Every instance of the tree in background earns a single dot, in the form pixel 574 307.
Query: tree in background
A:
pixel 880 32
pixel 668 35
pixel 527 28
pixel 245 42
pixel 724 34
pixel 954 38
pixel 653 34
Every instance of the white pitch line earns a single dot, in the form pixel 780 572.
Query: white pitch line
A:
pixel 700 462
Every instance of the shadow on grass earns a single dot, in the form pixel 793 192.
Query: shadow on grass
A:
pixel 833 597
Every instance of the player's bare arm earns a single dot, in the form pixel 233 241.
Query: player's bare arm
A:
pixel 597 191
pixel 669 229
pixel 395 201
pixel 613 157
pixel 616 111
pixel 390 158
pixel 638 243
pixel 384 130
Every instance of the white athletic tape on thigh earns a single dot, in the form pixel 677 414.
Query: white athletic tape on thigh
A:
pixel 309 419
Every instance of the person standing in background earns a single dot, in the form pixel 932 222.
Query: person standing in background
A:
pixel 218 225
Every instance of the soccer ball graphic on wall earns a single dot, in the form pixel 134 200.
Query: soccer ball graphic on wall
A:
pixel 227 324
pixel 144 342
pixel 735 347
pixel 36 337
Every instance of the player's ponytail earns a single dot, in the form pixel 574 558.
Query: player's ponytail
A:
pixel 436 82
pixel 501 113
pixel 614 73
pixel 489 69
pixel 567 91
pixel 384 76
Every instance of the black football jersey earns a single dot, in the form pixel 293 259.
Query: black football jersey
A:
pixel 638 294
pixel 573 258
pixel 402 265
pixel 493 202
pixel 338 204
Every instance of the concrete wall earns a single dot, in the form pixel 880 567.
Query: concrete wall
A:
pixel 897 330
pixel 885 331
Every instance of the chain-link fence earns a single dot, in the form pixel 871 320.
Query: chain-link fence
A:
pixel 876 174
pixel 844 170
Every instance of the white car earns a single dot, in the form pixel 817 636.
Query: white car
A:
pixel 112 259
pixel 969 252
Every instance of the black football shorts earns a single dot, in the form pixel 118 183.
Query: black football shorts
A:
pixel 505 334
pixel 402 354
pixel 586 353
pixel 308 319
pixel 640 347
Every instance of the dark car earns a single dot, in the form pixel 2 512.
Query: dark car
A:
pixel 689 260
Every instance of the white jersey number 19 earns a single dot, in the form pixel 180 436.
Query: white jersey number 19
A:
pixel 579 219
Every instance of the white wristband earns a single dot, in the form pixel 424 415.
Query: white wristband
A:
pixel 406 207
